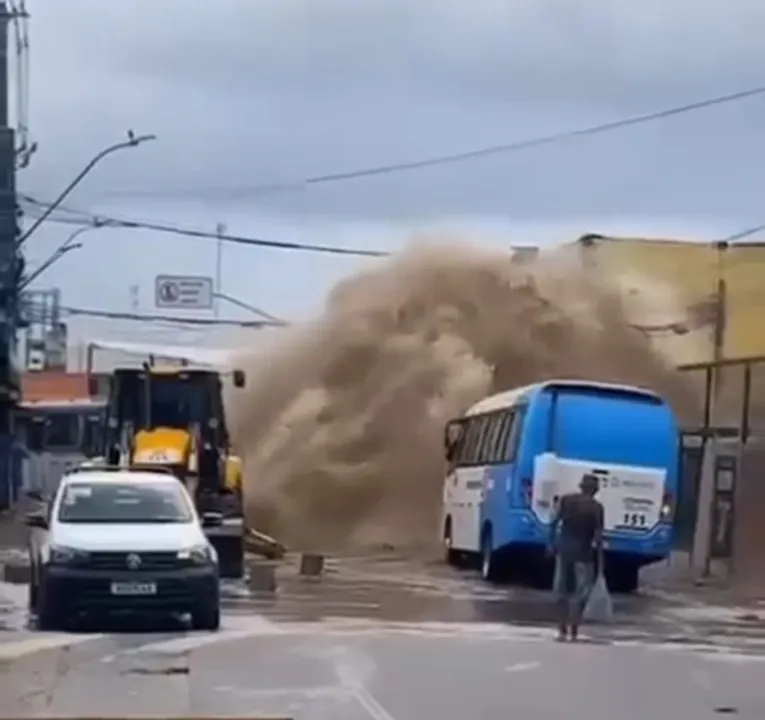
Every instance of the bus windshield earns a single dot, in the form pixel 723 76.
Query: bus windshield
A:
pixel 61 429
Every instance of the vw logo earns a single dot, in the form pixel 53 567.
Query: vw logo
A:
pixel 133 561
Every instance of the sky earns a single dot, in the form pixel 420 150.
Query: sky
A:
pixel 243 94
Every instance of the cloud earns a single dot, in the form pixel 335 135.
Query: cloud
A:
pixel 244 93
pixel 432 45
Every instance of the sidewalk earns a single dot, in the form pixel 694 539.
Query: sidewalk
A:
pixel 13 532
pixel 675 579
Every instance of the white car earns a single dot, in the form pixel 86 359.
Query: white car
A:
pixel 117 540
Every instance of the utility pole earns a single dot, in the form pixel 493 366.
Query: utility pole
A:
pixel 11 261
pixel 700 554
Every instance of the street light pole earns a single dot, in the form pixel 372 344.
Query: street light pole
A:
pixel 67 246
pixel 220 229
pixel 132 141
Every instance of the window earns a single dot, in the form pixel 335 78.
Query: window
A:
pixel 490 438
pixel 468 440
pixel 499 439
pixel 504 437
pixel 91 434
pixel 470 446
pixel 62 431
pixel 35 432
pixel 515 432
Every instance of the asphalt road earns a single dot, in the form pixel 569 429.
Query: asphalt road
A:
pixel 388 640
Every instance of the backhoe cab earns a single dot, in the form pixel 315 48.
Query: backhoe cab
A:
pixel 174 417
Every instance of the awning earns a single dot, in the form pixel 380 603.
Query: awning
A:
pixel 194 355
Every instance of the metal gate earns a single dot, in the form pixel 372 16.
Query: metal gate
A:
pixel 686 511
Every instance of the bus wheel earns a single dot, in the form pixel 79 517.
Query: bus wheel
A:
pixel 488 557
pixel 623 579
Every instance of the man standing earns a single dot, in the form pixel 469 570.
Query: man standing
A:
pixel 576 537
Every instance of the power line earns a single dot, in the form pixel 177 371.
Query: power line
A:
pixel 743 234
pixel 207 322
pixel 87 218
pixel 464 156
pixel 163 227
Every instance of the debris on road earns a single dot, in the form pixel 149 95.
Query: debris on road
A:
pixel 259 543
pixel 311 565
pixel 262 577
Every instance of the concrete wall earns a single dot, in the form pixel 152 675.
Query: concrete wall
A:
pixel 748 568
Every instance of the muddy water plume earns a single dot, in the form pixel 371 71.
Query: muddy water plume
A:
pixel 341 427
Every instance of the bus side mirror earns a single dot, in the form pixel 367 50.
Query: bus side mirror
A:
pixel 452 437
pixel 239 378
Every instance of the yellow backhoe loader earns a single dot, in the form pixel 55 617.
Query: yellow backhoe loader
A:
pixel 174 417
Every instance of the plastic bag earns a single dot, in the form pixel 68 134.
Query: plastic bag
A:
pixel 599 607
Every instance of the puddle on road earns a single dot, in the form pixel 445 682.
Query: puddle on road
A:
pixel 415 597
pixel 412 594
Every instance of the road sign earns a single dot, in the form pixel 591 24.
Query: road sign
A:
pixel 189 292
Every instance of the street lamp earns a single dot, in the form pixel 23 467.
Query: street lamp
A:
pixel 251 308
pixel 67 246
pixel 132 141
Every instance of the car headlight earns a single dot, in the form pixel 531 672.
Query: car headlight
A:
pixel 199 554
pixel 63 555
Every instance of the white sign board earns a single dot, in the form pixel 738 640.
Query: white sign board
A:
pixel 181 292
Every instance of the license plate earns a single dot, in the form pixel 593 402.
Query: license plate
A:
pixel 134 588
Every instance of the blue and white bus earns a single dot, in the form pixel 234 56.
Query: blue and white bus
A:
pixel 57 435
pixel 512 455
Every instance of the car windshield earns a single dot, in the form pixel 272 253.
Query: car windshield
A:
pixel 120 502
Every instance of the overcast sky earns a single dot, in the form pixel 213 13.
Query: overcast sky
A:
pixel 246 93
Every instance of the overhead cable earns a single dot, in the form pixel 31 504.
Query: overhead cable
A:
pixel 164 227
pixel 459 157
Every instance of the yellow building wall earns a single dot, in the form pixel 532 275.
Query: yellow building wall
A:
pixel 691 271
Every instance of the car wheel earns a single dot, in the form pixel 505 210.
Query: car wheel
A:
pixel 33 592
pixel 206 617
pixel 49 615
pixel 232 568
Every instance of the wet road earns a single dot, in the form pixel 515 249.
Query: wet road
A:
pixel 388 639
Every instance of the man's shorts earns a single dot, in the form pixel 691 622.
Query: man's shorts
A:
pixel 573 579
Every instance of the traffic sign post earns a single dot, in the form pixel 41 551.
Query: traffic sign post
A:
pixel 184 292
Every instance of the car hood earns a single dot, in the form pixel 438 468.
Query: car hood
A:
pixel 127 537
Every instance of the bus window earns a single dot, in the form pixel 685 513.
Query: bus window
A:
pixel 91 434
pixel 514 435
pixel 20 423
pixel 35 432
pixel 454 435
pixel 501 424
pixel 62 431
pixel 467 451
pixel 477 430
pixel 486 443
